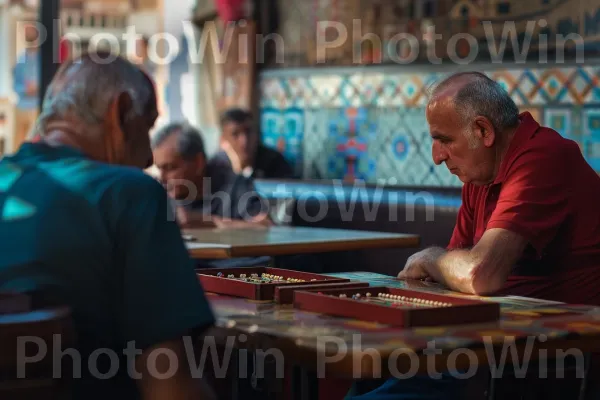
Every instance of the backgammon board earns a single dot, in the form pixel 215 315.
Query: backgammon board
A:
pixel 346 298
pixel 257 283
pixel 397 307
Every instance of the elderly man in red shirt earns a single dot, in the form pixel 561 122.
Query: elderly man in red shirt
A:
pixel 529 223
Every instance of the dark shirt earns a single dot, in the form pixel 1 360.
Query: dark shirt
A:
pixel 98 238
pixel 228 195
pixel 268 164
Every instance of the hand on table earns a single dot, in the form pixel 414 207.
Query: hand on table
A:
pixel 417 264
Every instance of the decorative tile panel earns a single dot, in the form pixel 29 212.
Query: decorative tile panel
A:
pixel 590 141
pixel 370 124
pixel 559 119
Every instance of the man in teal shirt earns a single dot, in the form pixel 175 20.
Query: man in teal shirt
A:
pixel 84 226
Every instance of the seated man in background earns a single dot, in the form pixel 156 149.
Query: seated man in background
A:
pixel 85 227
pixel 242 152
pixel 211 195
pixel 206 195
pixel 528 223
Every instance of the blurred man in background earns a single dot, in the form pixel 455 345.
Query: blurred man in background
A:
pixel 205 194
pixel 242 152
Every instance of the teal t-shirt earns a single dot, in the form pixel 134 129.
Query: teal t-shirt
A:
pixel 100 239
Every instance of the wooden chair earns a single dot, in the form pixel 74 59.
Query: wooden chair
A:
pixel 27 332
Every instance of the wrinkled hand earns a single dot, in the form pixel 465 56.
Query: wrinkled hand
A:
pixel 417 264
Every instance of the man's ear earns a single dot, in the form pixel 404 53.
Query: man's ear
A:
pixel 485 131
pixel 116 131
pixel 121 105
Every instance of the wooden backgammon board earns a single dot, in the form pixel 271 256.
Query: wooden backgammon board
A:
pixel 257 283
pixel 398 307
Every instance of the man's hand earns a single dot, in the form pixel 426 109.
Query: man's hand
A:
pixel 418 264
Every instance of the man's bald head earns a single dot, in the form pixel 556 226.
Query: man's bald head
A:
pixel 475 94
pixel 103 99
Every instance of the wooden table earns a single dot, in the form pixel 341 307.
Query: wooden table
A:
pixel 313 341
pixel 278 241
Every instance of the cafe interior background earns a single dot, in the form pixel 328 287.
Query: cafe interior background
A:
pixel 353 118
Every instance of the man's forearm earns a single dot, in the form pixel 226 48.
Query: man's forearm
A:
pixel 454 269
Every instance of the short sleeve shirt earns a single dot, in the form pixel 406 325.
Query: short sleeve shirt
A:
pixel 100 239
pixel 546 192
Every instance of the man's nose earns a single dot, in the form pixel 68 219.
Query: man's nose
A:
pixel 438 154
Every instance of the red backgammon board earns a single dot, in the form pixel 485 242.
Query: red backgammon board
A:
pixel 257 283
pixel 397 307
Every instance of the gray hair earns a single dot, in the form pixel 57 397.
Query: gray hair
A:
pixel 481 96
pixel 189 139
pixel 83 89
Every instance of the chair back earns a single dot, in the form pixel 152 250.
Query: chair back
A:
pixel 27 340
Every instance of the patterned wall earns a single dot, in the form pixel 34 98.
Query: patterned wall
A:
pixel 371 125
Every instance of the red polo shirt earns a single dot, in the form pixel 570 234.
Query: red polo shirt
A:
pixel 547 192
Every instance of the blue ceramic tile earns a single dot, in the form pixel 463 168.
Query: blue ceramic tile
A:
pixel 379 118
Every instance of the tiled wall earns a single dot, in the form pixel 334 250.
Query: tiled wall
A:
pixel 370 124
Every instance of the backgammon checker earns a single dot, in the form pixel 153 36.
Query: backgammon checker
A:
pixel 398 307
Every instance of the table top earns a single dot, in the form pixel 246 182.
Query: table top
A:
pixel 285 240
pixel 308 337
